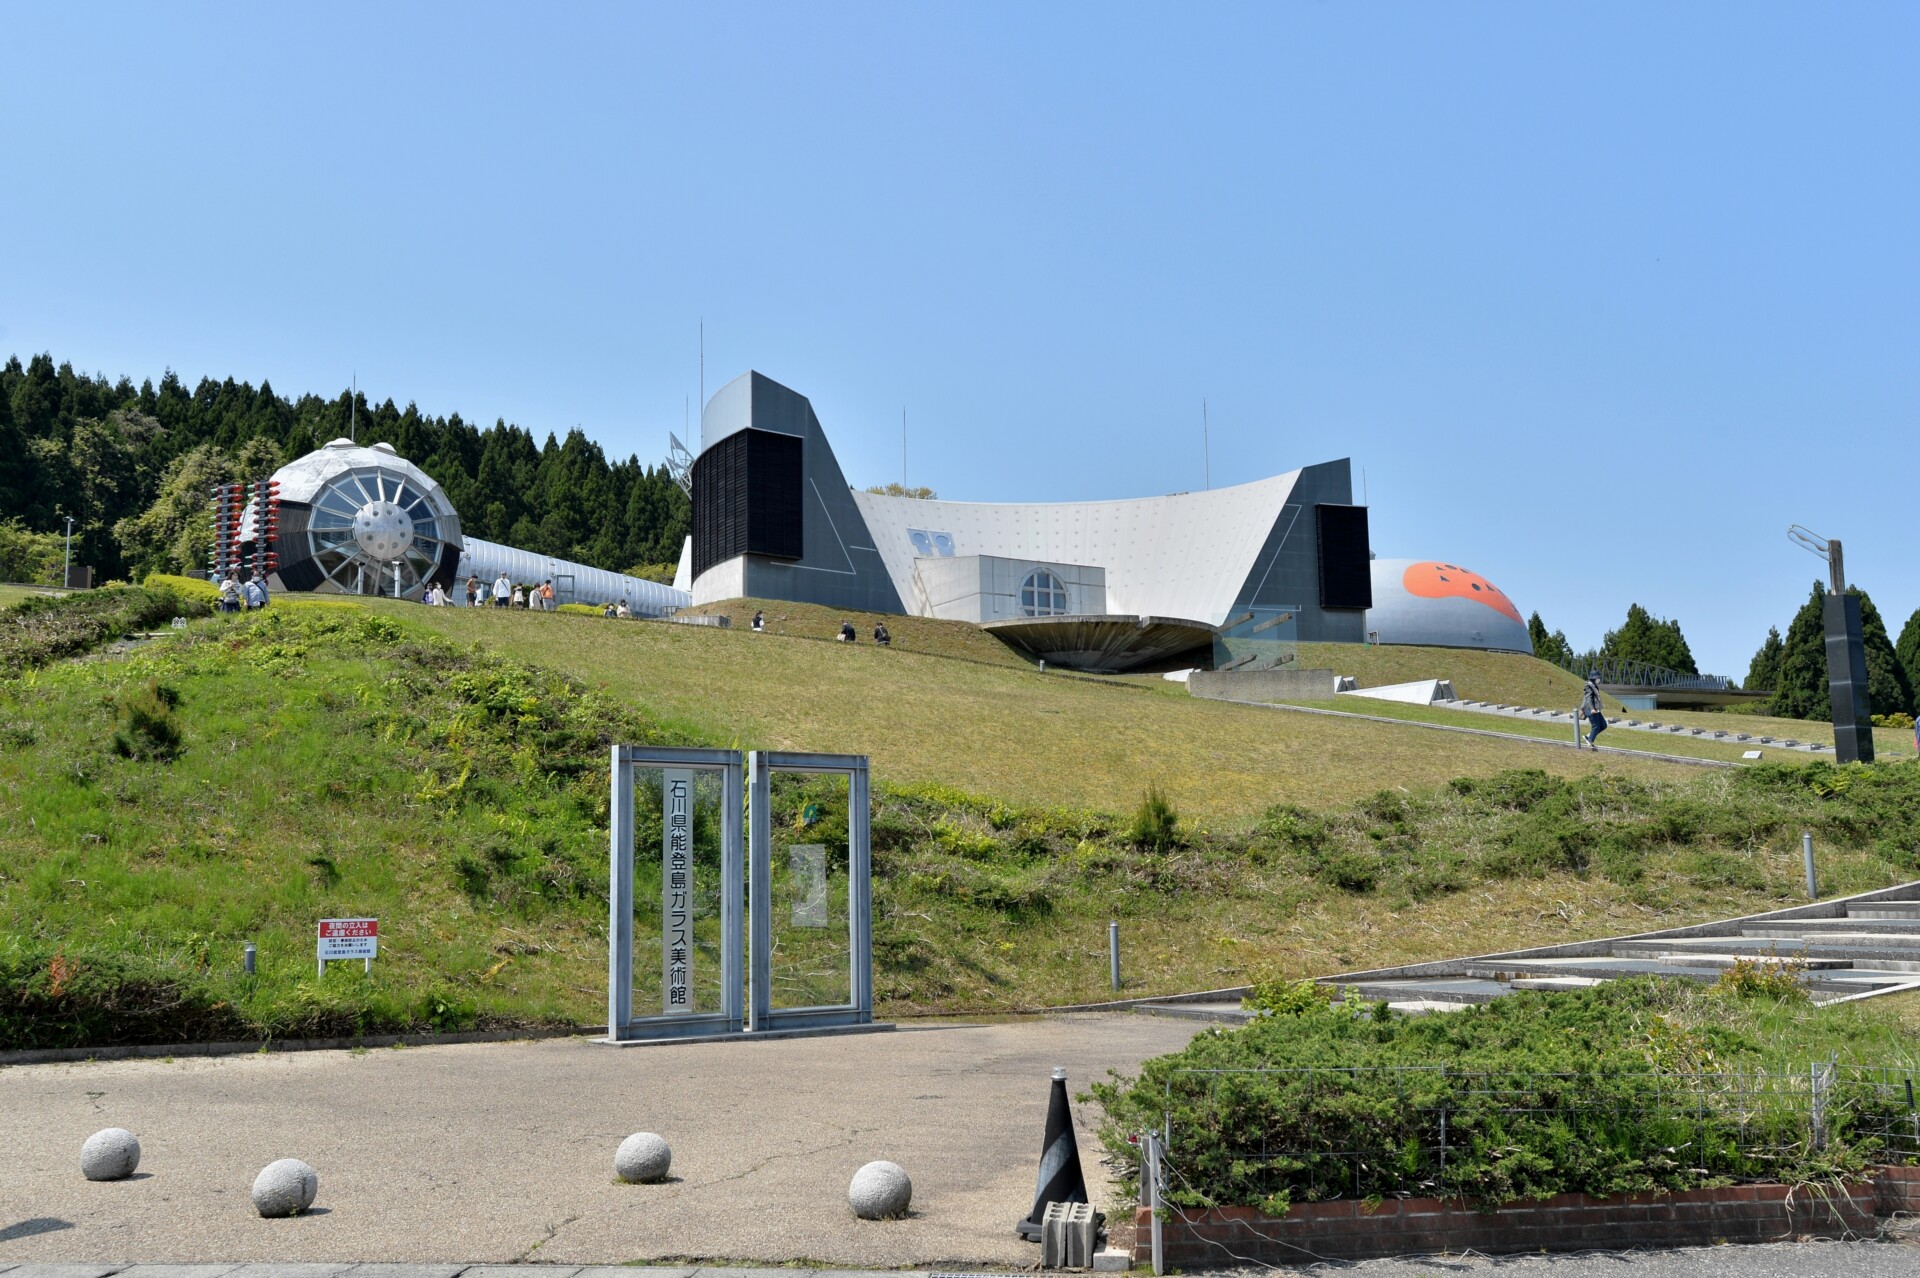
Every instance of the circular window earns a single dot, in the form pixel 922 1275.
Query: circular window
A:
pixel 1043 595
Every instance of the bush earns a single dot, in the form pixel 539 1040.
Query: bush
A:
pixel 51 627
pixel 582 610
pixel 1156 826
pixel 1895 720
pixel 149 729
pixel 1628 1087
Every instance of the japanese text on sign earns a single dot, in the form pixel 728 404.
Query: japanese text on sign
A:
pixel 676 891
pixel 349 939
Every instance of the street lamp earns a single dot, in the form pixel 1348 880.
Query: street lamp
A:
pixel 66 570
pixel 1846 653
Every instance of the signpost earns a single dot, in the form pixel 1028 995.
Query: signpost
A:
pixel 347 939
pixel 676 891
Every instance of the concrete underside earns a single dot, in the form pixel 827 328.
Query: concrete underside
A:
pixel 1101 643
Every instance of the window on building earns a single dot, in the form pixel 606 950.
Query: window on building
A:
pixel 1043 595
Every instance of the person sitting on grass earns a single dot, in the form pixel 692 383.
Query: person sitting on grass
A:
pixel 846 633
pixel 622 611
pixel 880 635
pixel 759 621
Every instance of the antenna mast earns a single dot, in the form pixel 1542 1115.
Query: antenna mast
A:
pixel 903 445
pixel 353 410
pixel 1206 449
pixel 703 366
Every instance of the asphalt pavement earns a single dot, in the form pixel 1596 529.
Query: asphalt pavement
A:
pixel 503 1152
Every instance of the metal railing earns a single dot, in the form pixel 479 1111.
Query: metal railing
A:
pixel 1617 672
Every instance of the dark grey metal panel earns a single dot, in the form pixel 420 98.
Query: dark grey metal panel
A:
pixel 1286 572
pixel 1847 680
pixel 840 567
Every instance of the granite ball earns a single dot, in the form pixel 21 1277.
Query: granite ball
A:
pixel 642 1158
pixel 285 1188
pixel 880 1191
pixel 110 1155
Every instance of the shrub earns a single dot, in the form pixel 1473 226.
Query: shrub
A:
pixel 1895 720
pixel 149 728
pixel 49 627
pixel 1156 826
pixel 1769 977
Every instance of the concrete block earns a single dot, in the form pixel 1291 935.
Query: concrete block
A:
pixel 642 1159
pixel 880 1191
pixel 1259 686
pixel 111 1154
pixel 1067 1233
pixel 286 1188
pixel 1110 1261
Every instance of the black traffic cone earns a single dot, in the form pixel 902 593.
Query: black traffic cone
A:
pixel 1060 1180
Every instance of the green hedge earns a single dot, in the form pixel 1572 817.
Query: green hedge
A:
pixel 1633 1086
pixel 36 631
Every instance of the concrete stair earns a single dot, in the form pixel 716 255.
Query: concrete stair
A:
pixel 1847 949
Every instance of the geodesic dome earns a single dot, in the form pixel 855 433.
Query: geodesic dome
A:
pixel 360 521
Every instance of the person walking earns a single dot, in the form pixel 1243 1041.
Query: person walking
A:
pixel 519 597
pixel 546 595
pixel 256 593
pixel 473 592
pixel 1590 710
pixel 230 594
pixel 502 591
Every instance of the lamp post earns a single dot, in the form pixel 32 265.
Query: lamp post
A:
pixel 1846 654
pixel 66 570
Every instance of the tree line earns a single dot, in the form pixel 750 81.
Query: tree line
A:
pixel 133 464
pixel 1793 668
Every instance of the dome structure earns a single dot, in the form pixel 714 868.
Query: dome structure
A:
pixel 1442 605
pixel 360 520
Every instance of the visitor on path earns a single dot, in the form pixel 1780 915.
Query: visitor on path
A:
pixel 256 593
pixel 546 595
pixel 846 633
pixel 438 596
pixel 759 621
pixel 1590 710
pixel 473 592
pixel 519 597
pixel 230 594
pixel 880 635
pixel 502 591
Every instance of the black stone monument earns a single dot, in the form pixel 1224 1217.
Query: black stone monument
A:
pixel 1847 680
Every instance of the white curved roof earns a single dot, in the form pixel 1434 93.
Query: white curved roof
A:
pixel 1184 555
pixel 1437 603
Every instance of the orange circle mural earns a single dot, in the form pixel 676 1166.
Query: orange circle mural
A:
pixel 1431 580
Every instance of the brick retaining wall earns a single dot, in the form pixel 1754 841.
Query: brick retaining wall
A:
pixel 1349 1230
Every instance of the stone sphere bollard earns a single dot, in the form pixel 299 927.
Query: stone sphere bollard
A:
pixel 642 1157
pixel 110 1155
pixel 285 1188
pixel 880 1191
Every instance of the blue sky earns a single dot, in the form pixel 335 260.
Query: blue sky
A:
pixel 1600 298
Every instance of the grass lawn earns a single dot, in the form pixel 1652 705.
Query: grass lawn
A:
pixel 11 595
pixel 1887 742
pixel 1511 678
pixel 988 722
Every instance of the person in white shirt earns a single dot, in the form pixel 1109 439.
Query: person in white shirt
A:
pixel 502 591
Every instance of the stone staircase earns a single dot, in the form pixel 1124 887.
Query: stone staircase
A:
pixel 1727 736
pixel 1849 948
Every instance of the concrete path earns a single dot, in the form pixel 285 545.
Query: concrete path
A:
pixel 504 1152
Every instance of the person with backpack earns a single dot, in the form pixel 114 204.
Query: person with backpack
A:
pixel 880 635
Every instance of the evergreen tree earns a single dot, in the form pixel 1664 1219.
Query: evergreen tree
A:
pixel 1908 652
pixel 1763 672
pixel 1649 639
pixel 1549 647
pixel 1802 691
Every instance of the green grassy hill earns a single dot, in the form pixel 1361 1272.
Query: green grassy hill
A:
pixel 951 705
pixel 444 771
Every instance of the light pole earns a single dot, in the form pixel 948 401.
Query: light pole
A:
pixel 66 570
pixel 1846 654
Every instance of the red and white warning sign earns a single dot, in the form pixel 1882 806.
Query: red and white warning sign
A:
pixel 349 939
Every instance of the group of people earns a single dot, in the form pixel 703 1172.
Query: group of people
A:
pixel 237 597
pixel 503 593
pixel 847 634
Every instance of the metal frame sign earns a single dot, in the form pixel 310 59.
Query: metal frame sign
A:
pixel 342 939
pixel 746 903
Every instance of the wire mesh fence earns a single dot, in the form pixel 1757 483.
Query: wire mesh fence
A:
pixel 1246 1137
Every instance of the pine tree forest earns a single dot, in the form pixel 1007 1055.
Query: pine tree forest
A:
pixel 132 466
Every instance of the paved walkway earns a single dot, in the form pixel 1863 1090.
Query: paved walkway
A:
pixel 504 1152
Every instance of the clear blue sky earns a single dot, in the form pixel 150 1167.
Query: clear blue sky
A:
pixel 1600 297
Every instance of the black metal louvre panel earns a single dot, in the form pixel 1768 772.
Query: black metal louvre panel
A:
pixel 1346 573
pixel 746 498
